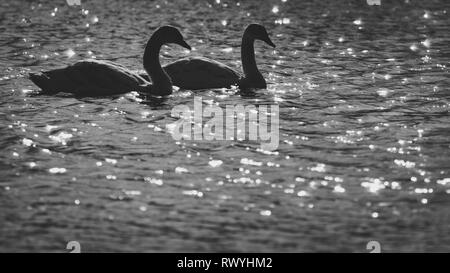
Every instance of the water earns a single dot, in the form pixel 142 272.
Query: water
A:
pixel 364 131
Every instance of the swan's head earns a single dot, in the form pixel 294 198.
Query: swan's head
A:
pixel 257 31
pixel 170 35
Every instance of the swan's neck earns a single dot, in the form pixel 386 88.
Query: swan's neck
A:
pixel 161 83
pixel 248 58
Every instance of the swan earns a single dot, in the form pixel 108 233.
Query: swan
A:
pixel 202 73
pixel 100 78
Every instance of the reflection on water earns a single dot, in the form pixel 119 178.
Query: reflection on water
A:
pixel 364 131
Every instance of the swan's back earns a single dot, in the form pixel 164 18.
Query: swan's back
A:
pixel 201 73
pixel 89 77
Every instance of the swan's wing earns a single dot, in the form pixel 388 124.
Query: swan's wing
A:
pixel 201 73
pixel 52 81
pixel 142 79
pixel 107 74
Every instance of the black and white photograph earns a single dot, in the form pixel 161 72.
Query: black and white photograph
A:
pixel 222 126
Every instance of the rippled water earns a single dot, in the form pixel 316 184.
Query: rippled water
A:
pixel 364 146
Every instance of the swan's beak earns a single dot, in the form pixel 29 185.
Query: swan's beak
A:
pixel 184 44
pixel 269 42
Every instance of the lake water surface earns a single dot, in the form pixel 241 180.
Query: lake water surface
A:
pixel 364 150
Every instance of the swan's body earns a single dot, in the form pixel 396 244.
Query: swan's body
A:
pixel 99 78
pixel 185 73
pixel 90 77
pixel 201 73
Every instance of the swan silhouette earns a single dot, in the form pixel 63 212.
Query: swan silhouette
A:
pixel 202 73
pixel 100 78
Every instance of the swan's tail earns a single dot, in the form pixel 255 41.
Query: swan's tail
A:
pixel 43 82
